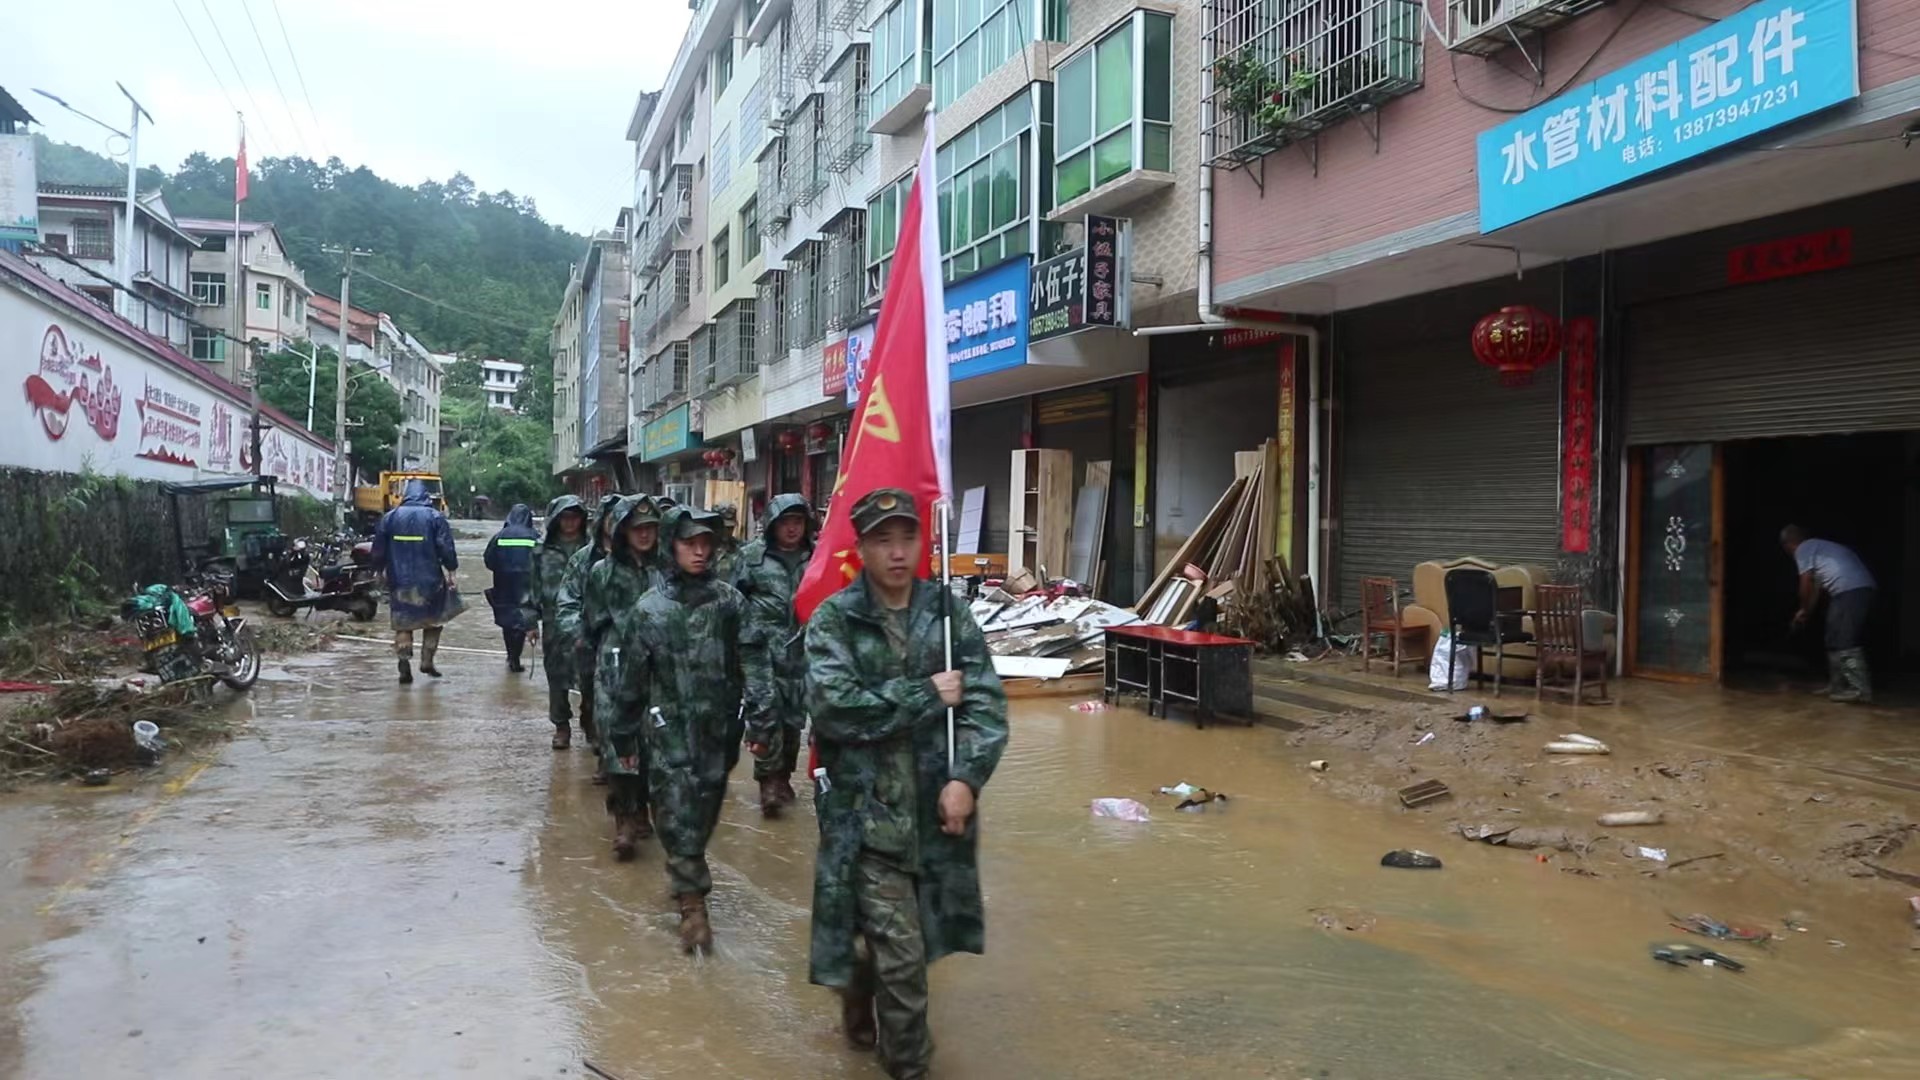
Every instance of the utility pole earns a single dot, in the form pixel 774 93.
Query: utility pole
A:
pixel 133 195
pixel 313 373
pixel 340 467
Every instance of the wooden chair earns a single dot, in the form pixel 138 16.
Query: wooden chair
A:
pixel 1559 631
pixel 1380 606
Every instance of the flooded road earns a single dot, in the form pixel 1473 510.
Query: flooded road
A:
pixel 382 881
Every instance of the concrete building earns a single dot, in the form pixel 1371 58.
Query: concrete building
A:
pixel 417 375
pixel 563 347
pixel 267 304
pixel 501 381
pixel 590 346
pixel 1610 291
pixel 85 223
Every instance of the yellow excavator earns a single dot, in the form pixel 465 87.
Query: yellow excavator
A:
pixel 374 500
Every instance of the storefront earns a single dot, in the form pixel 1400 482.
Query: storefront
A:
pixel 672 443
pixel 1434 455
pixel 1214 395
pixel 1772 375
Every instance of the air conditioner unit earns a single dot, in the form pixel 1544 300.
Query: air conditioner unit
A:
pixel 1485 27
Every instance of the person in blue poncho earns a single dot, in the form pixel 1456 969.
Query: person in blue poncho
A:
pixel 414 545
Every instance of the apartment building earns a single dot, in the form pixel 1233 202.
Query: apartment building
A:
pixel 265 302
pixel 590 345
pixel 84 224
pixel 416 374
pixel 501 380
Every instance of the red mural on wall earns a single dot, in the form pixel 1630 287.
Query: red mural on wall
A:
pixel 61 384
pixel 170 426
pixel 1577 429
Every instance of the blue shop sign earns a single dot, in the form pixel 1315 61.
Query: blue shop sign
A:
pixel 671 434
pixel 1773 62
pixel 987 321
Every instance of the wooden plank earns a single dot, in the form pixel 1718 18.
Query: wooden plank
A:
pixel 1070 684
pixel 1199 539
pixel 1031 667
pixel 973 515
pixel 1089 524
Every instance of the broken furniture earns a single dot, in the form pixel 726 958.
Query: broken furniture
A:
pixel 1380 614
pixel 1561 645
pixel 1040 511
pixel 1209 675
pixel 1477 617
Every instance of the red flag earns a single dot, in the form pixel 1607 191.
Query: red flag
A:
pixel 902 430
pixel 240 170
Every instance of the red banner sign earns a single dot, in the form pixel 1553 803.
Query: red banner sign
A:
pixel 1806 254
pixel 1577 429
pixel 833 368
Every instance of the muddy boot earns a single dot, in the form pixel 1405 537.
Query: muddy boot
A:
pixel 1852 683
pixel 770 800
pixel 426 663
pixel 626 836
pixel 857 1021
pixel 562 737
pixel 406 670
pixel 1833 685
pixel 588 729
pixel 696 935
pixel 642 826
pixel 784 782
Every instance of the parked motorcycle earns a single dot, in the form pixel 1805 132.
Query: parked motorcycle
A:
pixel 194 631
pixel 303 575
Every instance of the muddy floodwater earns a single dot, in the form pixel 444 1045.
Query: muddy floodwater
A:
pixel 372 881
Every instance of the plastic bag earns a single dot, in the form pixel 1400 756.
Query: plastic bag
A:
pixel 1462 665
pixel 1121 809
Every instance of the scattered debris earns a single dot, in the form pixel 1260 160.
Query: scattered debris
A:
pixel 1528 838
pixel 1331 919
pixel 1410 860
pixel 1889 840
pixel 1631 817
pixel 1836 943
pixel 1095 705
pixel 1182 788
pixel 1200 798
pixel 1580 871
pixel 1913 905
pixel 1425 791
pixel 1691 859
pixel 1708 926
pixel 96 777
pixel 1577 744
pixel 1318 765
pixel 1656 854
pixel 1424 739
pixel 1479 712
pixel 1893 875
pixel 1678 953
pixel 1120 809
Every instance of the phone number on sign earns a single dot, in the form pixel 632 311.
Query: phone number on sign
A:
pixel 1729 114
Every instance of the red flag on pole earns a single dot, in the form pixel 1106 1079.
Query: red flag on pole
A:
pixel 902 431
pixel 240 169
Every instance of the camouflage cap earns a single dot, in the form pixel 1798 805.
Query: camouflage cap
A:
pixel 883 504
pixel 645 511
pixel 686 522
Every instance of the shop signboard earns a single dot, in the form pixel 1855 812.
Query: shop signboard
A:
pixel 1106 272
pixel 1577 432
pixel 1082 287
pixel 672 433
pixel 859 352
pixel 1772 62
pixel 986 320
pixel 833 368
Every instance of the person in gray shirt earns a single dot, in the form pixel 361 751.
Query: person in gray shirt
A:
pixel 1834 569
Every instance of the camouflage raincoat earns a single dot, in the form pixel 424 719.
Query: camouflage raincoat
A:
pixel 881 730
pixel 541 604
pixel 775 654
pixel 679 652
pixel 613 589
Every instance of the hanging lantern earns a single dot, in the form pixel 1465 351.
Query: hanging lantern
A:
pixel 820 433
pixel 790 440
pixel 1516 341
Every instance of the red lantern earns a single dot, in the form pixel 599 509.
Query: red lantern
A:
pixel 790 440
pixel 820 433
pixel 1516 341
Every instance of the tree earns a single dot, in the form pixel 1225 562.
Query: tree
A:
pixel 374 411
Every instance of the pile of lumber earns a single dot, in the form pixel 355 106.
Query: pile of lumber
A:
pixel 1229 554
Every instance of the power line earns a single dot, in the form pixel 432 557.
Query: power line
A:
pixel 443 304
pixel 203 56
pixel 273 140
pixel 275 76
pixel 318 127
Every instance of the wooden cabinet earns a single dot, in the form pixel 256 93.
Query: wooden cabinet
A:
pixel 1040 511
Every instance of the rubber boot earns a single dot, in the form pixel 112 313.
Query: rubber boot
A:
pixel 770 800
pixel 696 934
pixel 515 643
pixel 642 825
pixel 1834 683
pixel 626 836
pixel 426 660
pixel 1853 685
pixel 857 1020
pixel 562 737
pixel 784 782
pixel 406 669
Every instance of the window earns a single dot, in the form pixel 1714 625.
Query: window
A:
pixel 750 231
pixel 972 38
pixel 722 160
pixel 883 231
pixel 57 241
pixel 213 243
pixel 1107 122
pixel 286 303
pixel 207 288
pixel 263 296
pixel 699 267
pixel 901 59
pixel 92 238
pixel 722 67
pixel 207 345
pixel 985 198
pixel 720 269
pixel 683 131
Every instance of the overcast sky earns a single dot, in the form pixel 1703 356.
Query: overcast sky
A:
pixel 528 95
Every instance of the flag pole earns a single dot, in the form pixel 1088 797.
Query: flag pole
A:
pixel 946 623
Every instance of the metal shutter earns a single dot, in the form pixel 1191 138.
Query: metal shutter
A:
pixel 1438 460
pixel 1827 353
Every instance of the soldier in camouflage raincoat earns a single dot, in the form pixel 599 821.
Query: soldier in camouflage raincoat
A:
pixel 613 588
pixel 896 885
pixel 726 541
pixel 572 592
pixel 679 686
pixel 767 572
pixel 566 533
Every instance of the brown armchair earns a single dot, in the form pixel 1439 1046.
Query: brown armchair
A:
pixel 1380 607
pixel 1560 641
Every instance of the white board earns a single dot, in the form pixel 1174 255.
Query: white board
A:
pixel 973 512
pixel 1031 667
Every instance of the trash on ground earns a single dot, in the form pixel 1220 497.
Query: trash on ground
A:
pixel 1200 798
pixel 1657 854
pixel 1530 837
pixel 1708 926
pixel 8 686
pixel 1631 817
pixel 1425 791
pixel 1424 739
pixel 96 777
pixel 1318 765
pixel 1480 712
pixel 1120 809
pixel 1678 953
pixel 1581 745
pixel 1335 919
pixel 1091 706
pixel 1836 943
pixel 1182 789
pixel 1913 905
pixel 1410 860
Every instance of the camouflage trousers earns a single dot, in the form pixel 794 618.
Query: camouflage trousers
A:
pixel 557 654
pixel 783 748
pixel 890 964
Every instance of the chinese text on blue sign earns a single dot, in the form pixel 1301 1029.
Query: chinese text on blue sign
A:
pixel 987 321
pixel 1772 62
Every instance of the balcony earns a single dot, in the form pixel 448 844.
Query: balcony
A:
pixel 847 138
pixel 682 283
pixel 1484 27
pixel 700 363
pixel 842 273
pixel 809 40
pixel 1283 75
pixel 735 359
pixel 770 319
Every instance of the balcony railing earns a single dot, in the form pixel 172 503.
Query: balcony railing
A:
pixel 841 272
pixel 847 137
pixel 682 282
pixel 1285 72
pixel 770 318
pixel 1484 27
pixel 700 363
pixel 734 357
pixel 807 165
pixel 808 39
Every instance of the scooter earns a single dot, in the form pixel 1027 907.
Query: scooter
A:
pixel 294 581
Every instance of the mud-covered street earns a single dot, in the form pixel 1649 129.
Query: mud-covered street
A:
pixel 380 881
